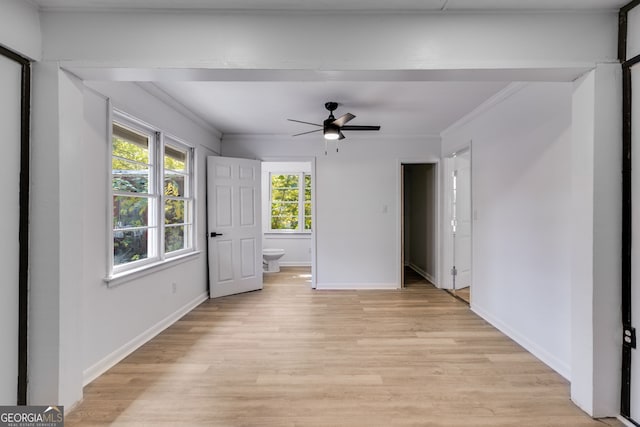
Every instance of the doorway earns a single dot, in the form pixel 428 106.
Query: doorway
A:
pixel 419 219
pixel 288 214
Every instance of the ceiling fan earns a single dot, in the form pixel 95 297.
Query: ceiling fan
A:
pixel 332 128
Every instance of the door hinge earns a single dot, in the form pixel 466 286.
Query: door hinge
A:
pixel 454 271
pixel 629 338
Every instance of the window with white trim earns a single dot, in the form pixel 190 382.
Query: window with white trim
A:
pixel 290 202
pixel 152 195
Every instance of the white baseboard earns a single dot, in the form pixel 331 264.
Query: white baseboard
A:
pixel 547 358
pixel 93 372
pixel 295 264
pixel 355 286
pixel 421 272
pixel 625 421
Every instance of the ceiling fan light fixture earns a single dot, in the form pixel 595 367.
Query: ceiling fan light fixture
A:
pixel 331 133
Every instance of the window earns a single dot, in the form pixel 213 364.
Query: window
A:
pixel 152 195
pixel 290 202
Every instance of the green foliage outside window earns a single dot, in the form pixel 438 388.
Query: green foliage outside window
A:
pixel 287 202
pixel 130 174
pixel 174 213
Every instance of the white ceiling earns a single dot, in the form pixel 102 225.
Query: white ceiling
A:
pixel 337 5
pixel 262 107
pixel 400 108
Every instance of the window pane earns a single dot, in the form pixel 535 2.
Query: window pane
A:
pixel 129 246
pixel 175 158
pixel 174 212
pixel 284 222
pixel 284 209
pixel 130 211
pixel 284 181
pixel 174 185
pixel 130 177
pixel 307 223
pixel 174 238
pixel 284 195
pixel 129 144
pixel 307 188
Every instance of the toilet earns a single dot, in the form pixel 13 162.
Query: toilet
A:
pixel 270 258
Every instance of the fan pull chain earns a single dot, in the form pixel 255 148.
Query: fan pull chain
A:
pixel 325 147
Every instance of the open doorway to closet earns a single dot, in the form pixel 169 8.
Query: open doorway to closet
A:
pixel 419 223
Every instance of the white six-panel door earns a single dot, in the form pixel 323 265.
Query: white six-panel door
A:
pixel 234 225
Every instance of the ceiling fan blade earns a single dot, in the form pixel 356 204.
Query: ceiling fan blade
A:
pixel 343 119
pixel 304 133
pixel 341 136
pixel 351 127
pixel 306 123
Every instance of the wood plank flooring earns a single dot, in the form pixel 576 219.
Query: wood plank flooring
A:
pixel 290 356
pixel 464 294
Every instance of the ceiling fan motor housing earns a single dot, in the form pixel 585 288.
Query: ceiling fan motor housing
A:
pixel 331 106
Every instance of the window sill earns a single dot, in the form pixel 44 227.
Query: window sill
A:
pixel 287 235
pixel 130 275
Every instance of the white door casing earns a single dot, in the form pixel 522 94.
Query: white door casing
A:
pixel 234 225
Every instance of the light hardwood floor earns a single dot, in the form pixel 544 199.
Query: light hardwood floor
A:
pixel 463 294
pixel 290 356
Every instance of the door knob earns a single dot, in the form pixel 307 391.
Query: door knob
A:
pixel 214 234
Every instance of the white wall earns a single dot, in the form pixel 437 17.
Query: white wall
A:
pixel 357 202
pixel 521 187
pixel 20 28
pixel 297 247
pixel 96 325
pixel 55 251
pixel 596 241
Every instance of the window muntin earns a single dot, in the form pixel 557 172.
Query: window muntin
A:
pixel 290 202
pixel 152 196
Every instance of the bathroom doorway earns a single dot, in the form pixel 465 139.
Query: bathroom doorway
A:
pixel 419 223
pixel 288 216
